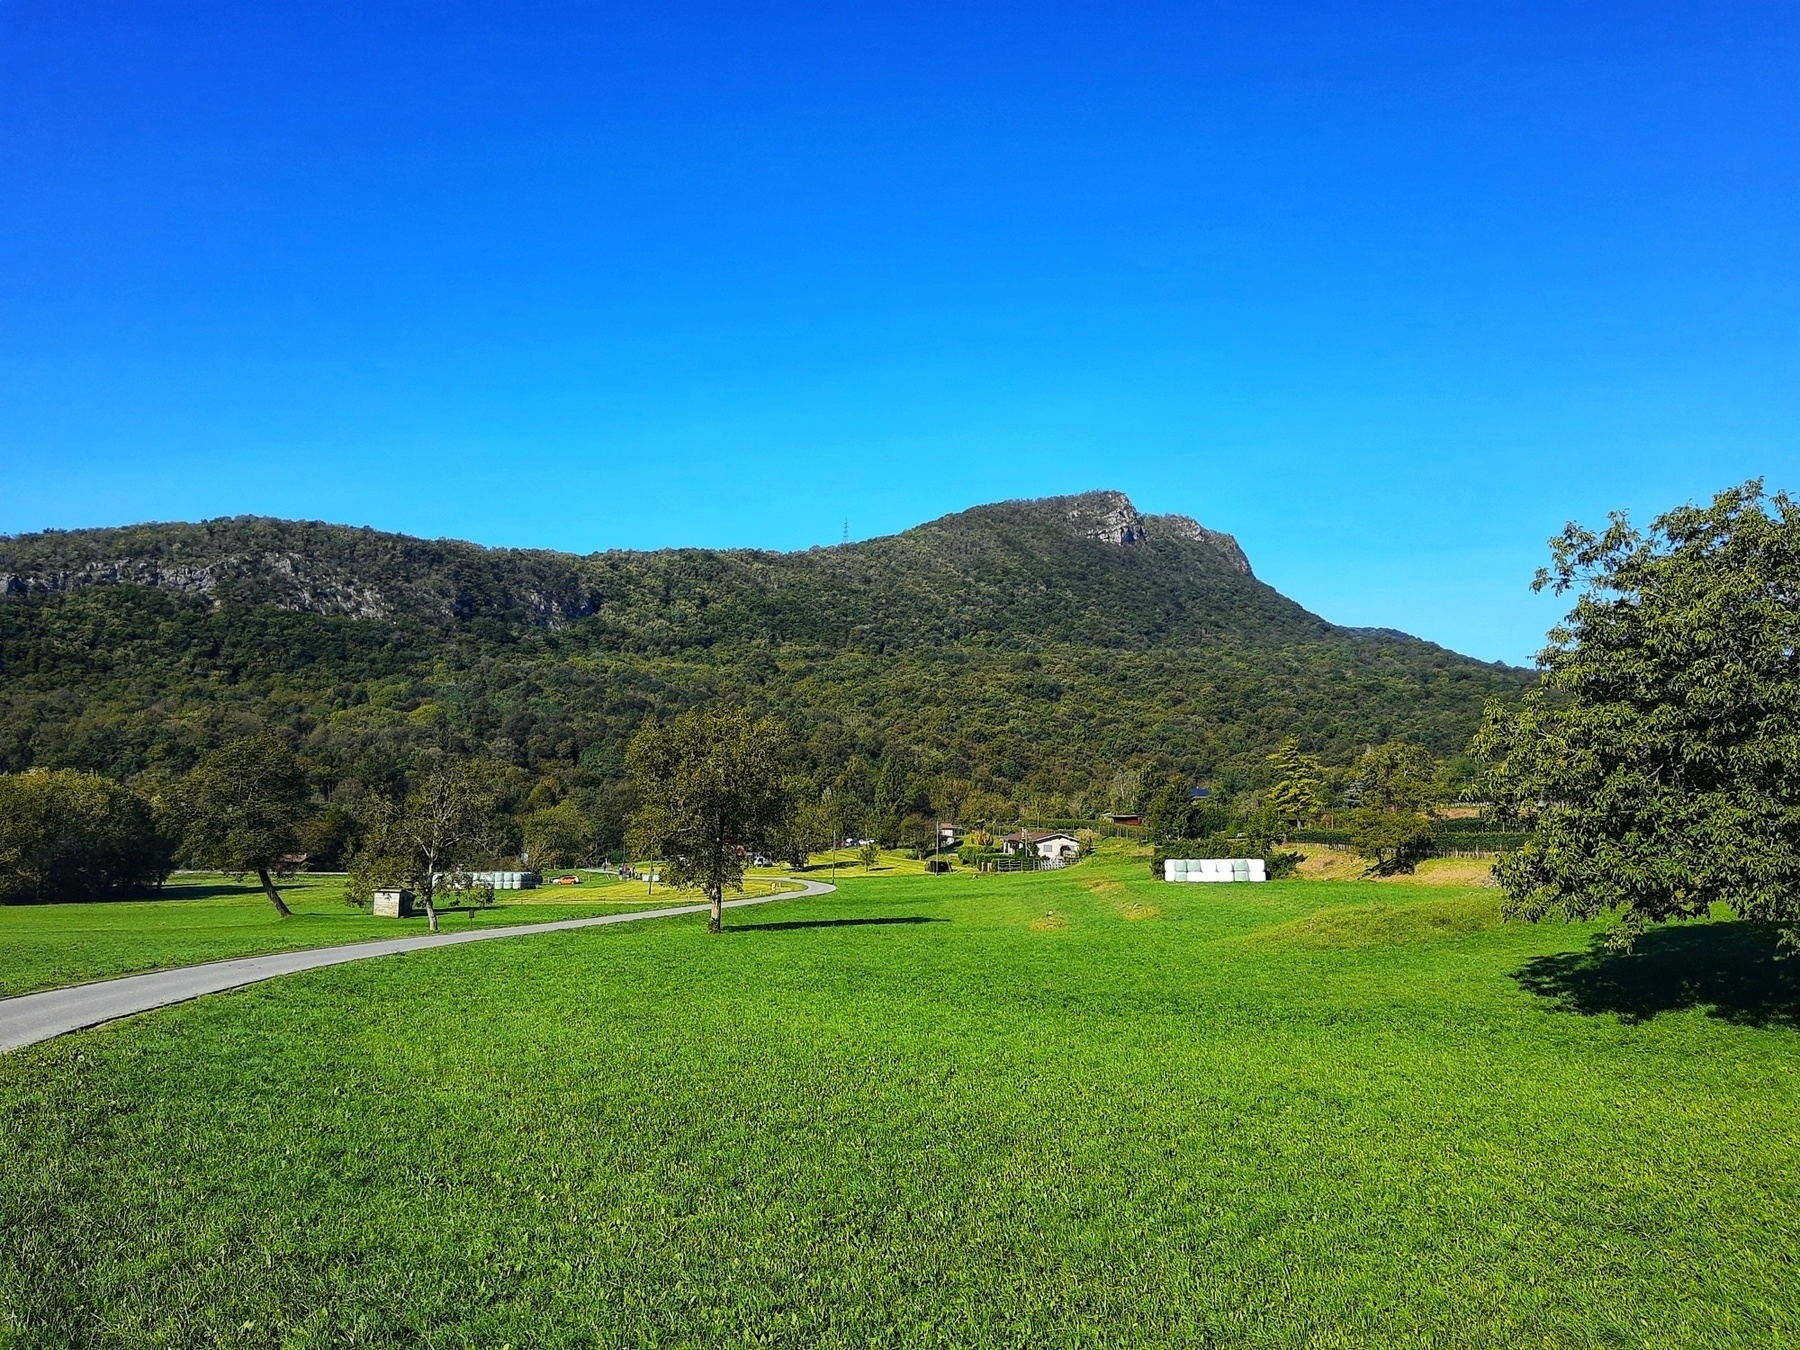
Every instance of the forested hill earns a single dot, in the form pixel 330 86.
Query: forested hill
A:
pixel 1085 569
pixel 1036 647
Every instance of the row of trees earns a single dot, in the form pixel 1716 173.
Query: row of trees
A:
pixel 246 808
pixel 68 833
pixel 715 786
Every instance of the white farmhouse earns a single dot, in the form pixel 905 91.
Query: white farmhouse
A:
pixel 1051 844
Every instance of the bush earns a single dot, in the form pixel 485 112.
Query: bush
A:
pixel 1321 837
pixel 69 835
pixel 1280 865
pixel 1392 841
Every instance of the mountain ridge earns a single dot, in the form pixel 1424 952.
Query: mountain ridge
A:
pixel 1040 646
pixel 174 555
pixel 320 567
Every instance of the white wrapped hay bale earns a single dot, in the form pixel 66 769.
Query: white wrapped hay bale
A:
pixel 1214 869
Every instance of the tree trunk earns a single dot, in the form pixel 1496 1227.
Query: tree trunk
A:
pixel 274 895
pixel 717 922
pixel 431 914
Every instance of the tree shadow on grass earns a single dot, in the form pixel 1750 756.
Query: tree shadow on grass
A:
pixel 208 892
pixel 832 923
pixel 150 895
pixel 1737 972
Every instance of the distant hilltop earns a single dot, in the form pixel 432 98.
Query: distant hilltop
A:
pixel 1111 517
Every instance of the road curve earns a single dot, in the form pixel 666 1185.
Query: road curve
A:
pixel 30 1018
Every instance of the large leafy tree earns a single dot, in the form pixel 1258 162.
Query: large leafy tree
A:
pixel 241 809
pixel 564 835
pixel 1659 764
pixel 1395 788
pixel 712 787
pixel 69 835
pixel 1175 813
pixel 428 839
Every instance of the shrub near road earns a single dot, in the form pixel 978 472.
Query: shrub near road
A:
pixel 1078 1108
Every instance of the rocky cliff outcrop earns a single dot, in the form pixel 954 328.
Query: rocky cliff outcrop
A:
pixel 1111 518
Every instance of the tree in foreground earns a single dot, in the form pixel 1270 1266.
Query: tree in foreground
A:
pixel 241 808
pixel 712 789
pixel 429 839
pixel 1658 765
pixel 69 835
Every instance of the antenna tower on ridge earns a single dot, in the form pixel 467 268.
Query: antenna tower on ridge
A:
pixel 846 531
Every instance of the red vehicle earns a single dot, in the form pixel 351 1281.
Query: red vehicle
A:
pixel 569 880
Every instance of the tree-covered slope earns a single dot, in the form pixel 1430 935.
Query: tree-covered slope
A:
pixel 1033 647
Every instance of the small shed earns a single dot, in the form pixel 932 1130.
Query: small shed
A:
pixel 394 903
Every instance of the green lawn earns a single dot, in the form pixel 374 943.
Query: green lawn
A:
pixel 1075 1109
pixel 208 918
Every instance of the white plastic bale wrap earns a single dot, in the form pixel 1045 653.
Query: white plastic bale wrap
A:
pixel 1214 869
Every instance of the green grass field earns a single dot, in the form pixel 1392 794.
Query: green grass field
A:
pixel 201 917
pixel 1064 1109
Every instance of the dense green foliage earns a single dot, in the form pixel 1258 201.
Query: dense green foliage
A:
pixel 1064 1109
pixel 1659 767
pixel 712 790
pixel 241 808
pixel 1394 789
pixel 1298 793
pixel 430 834
pixel 67 832
pixel 1385 803
pixel 1007 651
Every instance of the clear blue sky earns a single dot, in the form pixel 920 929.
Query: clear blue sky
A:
pixel 1389 291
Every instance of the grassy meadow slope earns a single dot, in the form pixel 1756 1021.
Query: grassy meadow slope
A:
pixel 1034 647
pixel 1053 1110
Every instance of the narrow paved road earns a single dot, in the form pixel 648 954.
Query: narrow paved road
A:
pixel 37 1017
